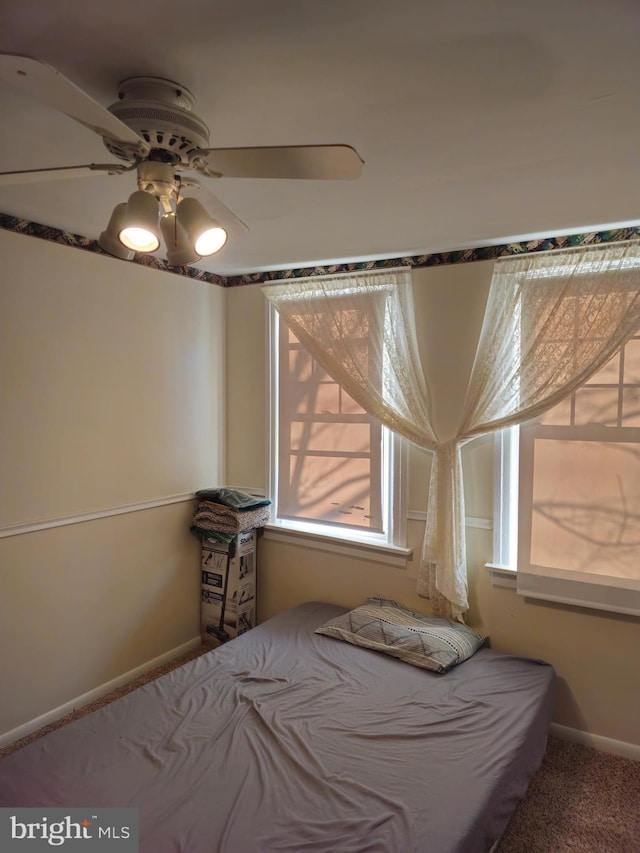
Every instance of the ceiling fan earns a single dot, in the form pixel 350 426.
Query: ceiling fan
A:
pixel 153 130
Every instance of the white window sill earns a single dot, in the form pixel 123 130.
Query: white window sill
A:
pixel 373 552
pixel 503 576
pixel 612 596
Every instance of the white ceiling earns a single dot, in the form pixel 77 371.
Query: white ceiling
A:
pixel 478 120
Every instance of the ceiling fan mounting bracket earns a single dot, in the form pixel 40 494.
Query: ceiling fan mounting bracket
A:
pixel 159 111
pixel 156 89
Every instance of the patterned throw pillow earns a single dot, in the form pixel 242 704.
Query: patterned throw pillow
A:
pixel 425 641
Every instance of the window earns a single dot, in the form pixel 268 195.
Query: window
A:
pixel 575 514
pixel 335 471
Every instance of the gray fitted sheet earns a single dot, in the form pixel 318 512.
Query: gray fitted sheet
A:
pixel 285 740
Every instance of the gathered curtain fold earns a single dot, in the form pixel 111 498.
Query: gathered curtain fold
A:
pixel 360 328
pixel 551 321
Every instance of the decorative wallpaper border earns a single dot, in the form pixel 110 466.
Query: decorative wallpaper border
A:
pixel 457 256
pixel 76 241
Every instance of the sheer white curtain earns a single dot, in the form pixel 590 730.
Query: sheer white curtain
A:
pixel 333 318
pixel 361 329
pixel 551 321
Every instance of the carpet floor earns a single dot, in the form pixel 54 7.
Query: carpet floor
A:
pixel 580 801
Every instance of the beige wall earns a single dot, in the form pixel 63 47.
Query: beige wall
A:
pixel 85 603
pixel 112 394
pixel 593 652
pixel 246 400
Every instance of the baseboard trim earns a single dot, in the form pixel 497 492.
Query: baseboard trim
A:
pixel 604 744
pixel 56 714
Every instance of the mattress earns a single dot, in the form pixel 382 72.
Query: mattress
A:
pixel 285 740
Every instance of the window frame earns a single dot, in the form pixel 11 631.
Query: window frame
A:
pixel 513 476
pixel 389 546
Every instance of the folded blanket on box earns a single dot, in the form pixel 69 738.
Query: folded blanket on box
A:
pixel 217 517
pixel 232 498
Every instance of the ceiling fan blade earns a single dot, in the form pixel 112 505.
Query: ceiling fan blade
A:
pixel 56 173
pixel 307 162
pixel 43 83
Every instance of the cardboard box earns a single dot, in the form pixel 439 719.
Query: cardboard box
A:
pixel 228 594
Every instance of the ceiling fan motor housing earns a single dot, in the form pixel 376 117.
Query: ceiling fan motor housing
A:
pixel 159 111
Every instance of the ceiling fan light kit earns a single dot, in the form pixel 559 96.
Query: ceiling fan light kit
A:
pixel 180 253
pixel 205 234
pixel 109 240
pixel 139 230
pixel 189 233
pixel 152 128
